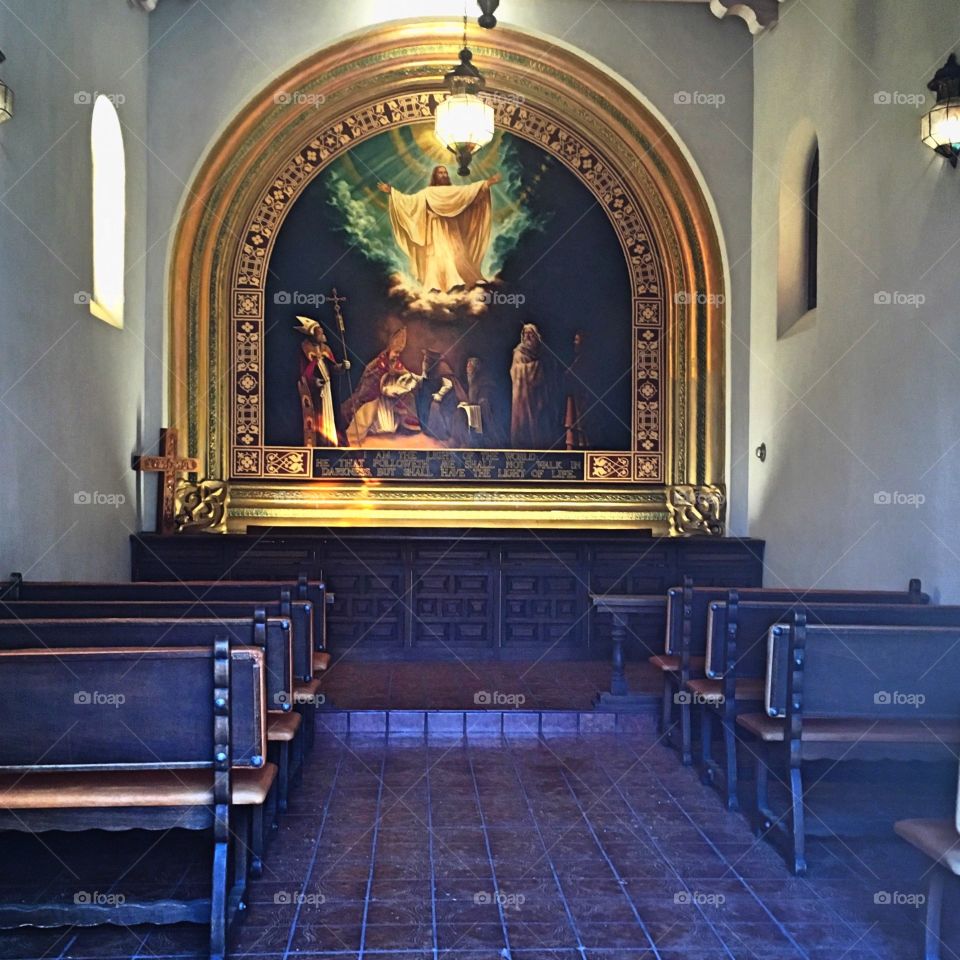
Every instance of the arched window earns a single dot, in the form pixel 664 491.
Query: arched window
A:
pixel 812 211
pixel 799 221
pixel 109 212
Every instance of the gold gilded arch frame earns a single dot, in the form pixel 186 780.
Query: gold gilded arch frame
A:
pixel 386 77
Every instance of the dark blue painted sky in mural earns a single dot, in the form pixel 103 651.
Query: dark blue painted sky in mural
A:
pixel 558 253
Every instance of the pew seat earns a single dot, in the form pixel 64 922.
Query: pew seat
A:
pixel 48 790
pixel 670 663
pixel 853 730
pixel 938 839
pixel 711 691
pixel 283 727
pixel 306 691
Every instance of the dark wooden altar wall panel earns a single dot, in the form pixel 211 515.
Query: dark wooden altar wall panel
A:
pixel 451 594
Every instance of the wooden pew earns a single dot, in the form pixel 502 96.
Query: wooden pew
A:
pixel 684 655
pixel 305 687
pixel 736 661
pixel 940 841
pixel 312 592
pixel 850 692
pixel 189 753
pixel 272 635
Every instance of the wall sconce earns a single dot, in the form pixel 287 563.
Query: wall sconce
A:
pixel 6 98
pixel 941 126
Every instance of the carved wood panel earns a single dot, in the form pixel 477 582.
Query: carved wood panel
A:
pixel 469 594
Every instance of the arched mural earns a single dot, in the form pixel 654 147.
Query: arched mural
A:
pixel 557 356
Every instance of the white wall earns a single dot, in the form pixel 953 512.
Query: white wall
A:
pixel 865 400
pixel 71 387
pixel 207 59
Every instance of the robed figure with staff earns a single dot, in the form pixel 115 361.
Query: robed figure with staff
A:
pixel 317 365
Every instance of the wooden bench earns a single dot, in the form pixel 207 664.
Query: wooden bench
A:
pixel 736 662
pixel 940 841
pixel 305 686
pixel 189 753
pixel 307 591
pixel 272 635
pixel 684 655
pixel 850 692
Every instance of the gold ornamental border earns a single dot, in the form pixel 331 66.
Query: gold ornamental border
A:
pixel 250 458
pixel 400 62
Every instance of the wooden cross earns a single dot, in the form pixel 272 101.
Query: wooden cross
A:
pixel 169 465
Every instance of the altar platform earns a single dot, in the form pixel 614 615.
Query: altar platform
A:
pixel 468 686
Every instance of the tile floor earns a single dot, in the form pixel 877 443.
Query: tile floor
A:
pixel 599 847
pixel 544 685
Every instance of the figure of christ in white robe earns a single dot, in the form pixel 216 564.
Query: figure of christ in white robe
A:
pixel 444 230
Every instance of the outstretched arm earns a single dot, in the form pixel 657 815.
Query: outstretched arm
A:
pixel 496 178
pixel 385 187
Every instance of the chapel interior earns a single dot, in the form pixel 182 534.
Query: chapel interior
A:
pixel 476 479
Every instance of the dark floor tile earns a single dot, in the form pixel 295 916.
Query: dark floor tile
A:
pixel 470 936
pixel 398 936
pixel 627 934
pixel 323 936
pixel 684 936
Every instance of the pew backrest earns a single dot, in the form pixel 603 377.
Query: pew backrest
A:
pixel 739 630
pixel 299 612
pixel 19 589
pixel 315 592
pixel 689 607
pixel 271 635
pixel 310 591
pixel 130 708
pixel 848 672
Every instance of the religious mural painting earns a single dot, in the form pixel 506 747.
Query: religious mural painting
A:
pixel 417 325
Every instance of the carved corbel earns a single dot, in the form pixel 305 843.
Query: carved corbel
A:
pixel 697 511
pixel 757 14
pixel 201 506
